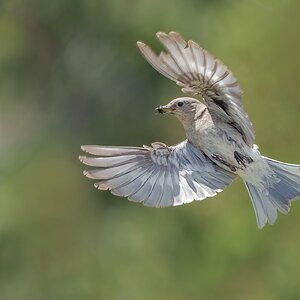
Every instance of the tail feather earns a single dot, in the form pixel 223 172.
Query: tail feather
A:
pixel 278 195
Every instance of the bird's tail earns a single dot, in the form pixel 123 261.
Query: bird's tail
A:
pixel 282 188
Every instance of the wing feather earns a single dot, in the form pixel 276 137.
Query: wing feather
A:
pixel 150 186
pixel 145 187
pixel 167 195
pixel 108 161
pixel 157 190
pixel 128 183
pixel 111 150
pixel 175 48
pixel 106 173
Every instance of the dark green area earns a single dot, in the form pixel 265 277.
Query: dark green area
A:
pixel 70 74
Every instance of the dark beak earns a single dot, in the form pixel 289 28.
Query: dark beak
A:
pixel 163 109
pixel 160 110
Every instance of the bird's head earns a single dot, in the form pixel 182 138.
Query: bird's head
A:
pixel 184 108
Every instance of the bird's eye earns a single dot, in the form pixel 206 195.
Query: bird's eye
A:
pixel 180 103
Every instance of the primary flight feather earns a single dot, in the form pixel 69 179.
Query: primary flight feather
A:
pixel 219 145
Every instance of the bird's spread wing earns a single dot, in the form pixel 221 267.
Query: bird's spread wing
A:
pixel 200 73
pixel 156 176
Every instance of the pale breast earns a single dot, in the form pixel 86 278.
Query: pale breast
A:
pixel 223 144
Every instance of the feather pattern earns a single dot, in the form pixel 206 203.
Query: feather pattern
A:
pixel 156 176
pixel 198 72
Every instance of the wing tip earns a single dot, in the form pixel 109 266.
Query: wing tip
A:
pixel 176 35
pixel 87 148
pixel 146 51
pixel 160 34
pixel 170 34
pixel 87 174
pixel 141 44
pixel 101 186
pixel 82 158
pixel 192 43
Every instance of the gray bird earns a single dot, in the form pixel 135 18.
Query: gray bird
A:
pixel 219 145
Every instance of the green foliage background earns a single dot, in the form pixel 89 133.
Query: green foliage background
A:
pixel 70 74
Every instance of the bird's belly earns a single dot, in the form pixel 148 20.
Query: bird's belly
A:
pixel 227 149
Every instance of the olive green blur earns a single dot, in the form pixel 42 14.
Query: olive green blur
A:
pixel 71 74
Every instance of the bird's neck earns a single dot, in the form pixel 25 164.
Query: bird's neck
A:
pixel 196 126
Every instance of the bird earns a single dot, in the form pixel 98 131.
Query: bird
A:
pixel 219 145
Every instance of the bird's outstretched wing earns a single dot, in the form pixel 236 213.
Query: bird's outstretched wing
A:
pixel 156 176
pixel 200 73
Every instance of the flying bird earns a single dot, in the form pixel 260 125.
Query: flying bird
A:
pixel 219 143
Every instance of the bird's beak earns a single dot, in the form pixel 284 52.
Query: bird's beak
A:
pixel 163 109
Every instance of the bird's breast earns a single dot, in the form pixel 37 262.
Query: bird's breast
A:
pixel 225 146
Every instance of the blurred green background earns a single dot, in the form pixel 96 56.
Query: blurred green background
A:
pixel 70 74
